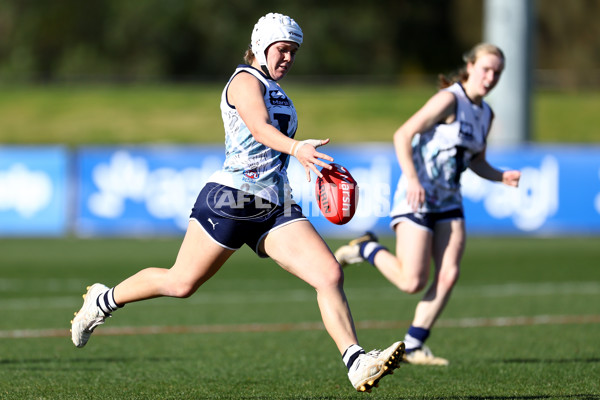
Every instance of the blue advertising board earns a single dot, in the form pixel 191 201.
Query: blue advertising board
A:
pixel 34 191
pixel 559 191
pixel 150 190
pixel 141 190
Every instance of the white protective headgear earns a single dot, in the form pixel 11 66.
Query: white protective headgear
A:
pixel 273 28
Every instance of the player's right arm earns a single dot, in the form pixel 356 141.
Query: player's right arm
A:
pixel 246 94
pixel 438 109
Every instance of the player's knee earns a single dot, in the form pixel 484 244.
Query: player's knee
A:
pixel 182 289
pixel 331 276
pixel 186 291
pixel 413 285
pixel 180 286
pixel 448 277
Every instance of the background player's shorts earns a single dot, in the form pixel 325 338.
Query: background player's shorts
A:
pixel 428 220
pixel 232 217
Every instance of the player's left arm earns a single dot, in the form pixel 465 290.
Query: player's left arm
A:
pixel 481 166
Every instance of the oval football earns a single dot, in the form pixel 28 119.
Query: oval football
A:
pixel 337 194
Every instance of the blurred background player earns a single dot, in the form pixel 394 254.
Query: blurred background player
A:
pixel 434 146
pixel 249 202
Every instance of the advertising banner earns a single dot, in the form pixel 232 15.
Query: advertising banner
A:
pixel 142 190
pixel 147 191
pixel 34 191
pixel 559 191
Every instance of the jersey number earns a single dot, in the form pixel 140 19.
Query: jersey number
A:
pixel 284 122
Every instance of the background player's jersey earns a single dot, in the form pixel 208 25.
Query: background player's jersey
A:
pixel 249 165
pixel 441 155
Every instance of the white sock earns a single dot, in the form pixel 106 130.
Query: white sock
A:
pixel 351 354
pixel 106 302
pixel 412 343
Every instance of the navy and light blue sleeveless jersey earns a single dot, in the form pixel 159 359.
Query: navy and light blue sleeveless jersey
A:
pixel 441 155
pixel 249 165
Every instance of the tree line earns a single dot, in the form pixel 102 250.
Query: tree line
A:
pixel 172 40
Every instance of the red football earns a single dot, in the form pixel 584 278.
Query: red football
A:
pixel 337 194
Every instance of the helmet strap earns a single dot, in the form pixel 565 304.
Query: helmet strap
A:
pixel 265 70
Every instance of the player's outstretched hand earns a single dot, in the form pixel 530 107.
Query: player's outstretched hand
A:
pixel 511 178
pixel 306 152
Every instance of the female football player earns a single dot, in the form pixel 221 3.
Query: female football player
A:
pixel 434 146
pixel 249 202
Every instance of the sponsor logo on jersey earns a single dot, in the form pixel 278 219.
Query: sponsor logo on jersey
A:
pixel 466 130
pixel 278 98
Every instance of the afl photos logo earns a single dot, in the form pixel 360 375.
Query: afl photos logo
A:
pixel 241 204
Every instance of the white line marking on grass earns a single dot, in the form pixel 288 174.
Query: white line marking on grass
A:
pixel 528 289
pixel 307 326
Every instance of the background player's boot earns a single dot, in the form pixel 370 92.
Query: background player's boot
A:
pixel 350 253
pixel 424 356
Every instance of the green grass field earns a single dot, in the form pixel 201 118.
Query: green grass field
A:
pixel 112 114
pixel 524 323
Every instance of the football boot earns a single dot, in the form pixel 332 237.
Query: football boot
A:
pixel 369 368
pixel 350 253
pixel 89 316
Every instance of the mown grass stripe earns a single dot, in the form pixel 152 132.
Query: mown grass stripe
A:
pixel 301 295
pixel 306 326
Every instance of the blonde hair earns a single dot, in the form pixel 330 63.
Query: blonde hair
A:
pixel 249 56
pixel 469 57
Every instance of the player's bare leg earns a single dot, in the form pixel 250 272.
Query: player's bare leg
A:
pixel 300 250
pixel 408 269
pixel 199 258
pixel 449 245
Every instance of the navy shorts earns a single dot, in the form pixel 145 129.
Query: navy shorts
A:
pixel 233 217
pixel 428 220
